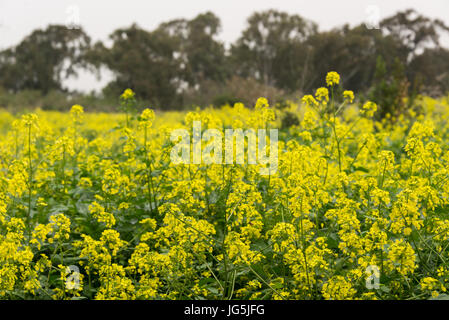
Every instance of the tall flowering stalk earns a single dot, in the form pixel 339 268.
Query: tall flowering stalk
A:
pixel 145 122
pixel 29 121
pixel 128 103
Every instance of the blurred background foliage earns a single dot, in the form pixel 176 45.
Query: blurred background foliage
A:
pixel 182 63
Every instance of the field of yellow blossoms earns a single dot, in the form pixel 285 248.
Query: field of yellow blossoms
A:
pixel 92 207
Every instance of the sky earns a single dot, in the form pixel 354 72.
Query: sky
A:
pixel 99 18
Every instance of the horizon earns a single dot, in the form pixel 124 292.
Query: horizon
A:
pixel 148 16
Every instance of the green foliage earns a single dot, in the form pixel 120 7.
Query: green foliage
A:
pixel 289 119
pixel 223 100
pixel 43 59
pixel 182 63
pixel 390 89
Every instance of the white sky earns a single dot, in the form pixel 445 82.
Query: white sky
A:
pixel 99 18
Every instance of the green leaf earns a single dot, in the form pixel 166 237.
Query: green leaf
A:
pixel 442 296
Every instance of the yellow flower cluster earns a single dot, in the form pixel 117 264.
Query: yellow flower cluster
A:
pixel 91 206
pixel 127 94
pixel 332 78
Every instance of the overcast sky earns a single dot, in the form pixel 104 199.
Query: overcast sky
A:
pixel 100 17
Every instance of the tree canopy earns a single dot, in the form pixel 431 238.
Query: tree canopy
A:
pixel 182 60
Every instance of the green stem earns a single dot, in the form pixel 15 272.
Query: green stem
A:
pixel 30 179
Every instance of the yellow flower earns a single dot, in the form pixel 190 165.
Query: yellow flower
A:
pixel 127 94
pixel 101 215
pixel 309 100
pixel 368 109
pixel 76 110
pixel 146 118
pixel 332 78
pixel 348 95
pixel 322 94
pixel 85 182
pixel 30 120
pixel 338 288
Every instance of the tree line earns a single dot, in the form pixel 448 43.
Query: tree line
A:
pixel 280 55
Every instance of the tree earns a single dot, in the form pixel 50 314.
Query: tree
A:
pixel 414 31
pixel 352 52
pixel 271 49
pixel 419 40
pixel 432 69
pixel 144 61
pixel 159 65
pixel 202 55
pixel 43 59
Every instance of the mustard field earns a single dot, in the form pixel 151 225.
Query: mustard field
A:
pixel 93 207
